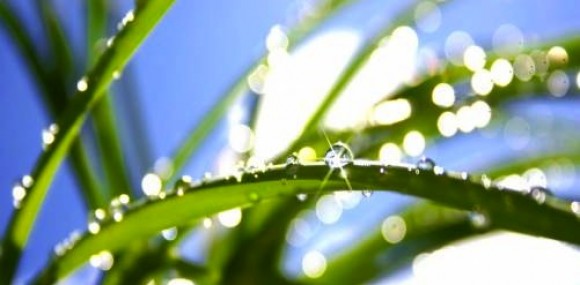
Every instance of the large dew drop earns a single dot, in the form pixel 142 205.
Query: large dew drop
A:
pixel 338 156
pixel 426 164
pixel 479 220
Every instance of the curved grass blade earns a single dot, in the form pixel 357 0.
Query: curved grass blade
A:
pixel 54 97
pixel 95 83
pixel 549 216
pixel 199 132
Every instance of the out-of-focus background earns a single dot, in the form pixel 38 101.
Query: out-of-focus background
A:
pixel 201 47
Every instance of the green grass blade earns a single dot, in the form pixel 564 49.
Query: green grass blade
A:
pixel 59 44
pixel 53 95
pixel 97 81
pixel 199 132
pixel 550 217
pixel 103 114
pixel 358 61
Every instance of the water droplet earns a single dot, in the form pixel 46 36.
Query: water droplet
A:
pixel 539 194
pixel 338 156
pixel 302 197
pixel 575 207
pixel 382 170
pixel 169 234
pixel 27 181
pixel 110 41
pixel 182 185
pixel 117 208
pixel 83 84
pixel 426 164
pixel 103 260
pixel 367 193
pixel 485 181
pixel 151 184
pixel 479 220
pixel 116 75
pixel 438 170
pixel 49 136
pixel 18 194
pixel 292 164
pixel 464 175
pixel 129 17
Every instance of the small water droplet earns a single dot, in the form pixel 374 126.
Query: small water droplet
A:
pixel 182 185
pixel 129 17
pixel 539 194
pixel 575 207
pixel 479 220
pixel 103 260
pixel 338 156
pixel 464 175
pixel 118 207
pixel 292 164
pixel 438 170
pixel 116 75
pixel 27 181
pixel 485 181
pixel 83 84
pixel 18 194
pixel 49 136
pixel 302 197
pixel 426 164
pixel 110 41
pixel 169 234
pixel 382 170
pixel 367 193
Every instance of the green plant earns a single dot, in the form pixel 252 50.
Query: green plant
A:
pixel 250 252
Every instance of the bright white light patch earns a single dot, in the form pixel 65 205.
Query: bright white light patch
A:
pixel 414 143
pixel 443 95
pixel 392 111
pixel 151 184
pixel 481 82
pixel 499 258
pixel 390 153
pixel 314 264
pixel 447 124
pixel 230 218
pixel 502 72
pixel 241 138
pixel 474 58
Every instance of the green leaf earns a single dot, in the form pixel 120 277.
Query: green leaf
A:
pixel 547 216
pixel 69 124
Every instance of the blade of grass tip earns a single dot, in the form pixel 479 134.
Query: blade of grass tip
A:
pixel 359 60
pixel 54 98
pixel 91 89
pixel 543 215
pixel 199 132
pixel 59 44
pixel 104 114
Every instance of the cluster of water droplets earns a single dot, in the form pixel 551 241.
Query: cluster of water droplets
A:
pixel 20 190
pixel 49 136
pixel 67 244
pixel 114 213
